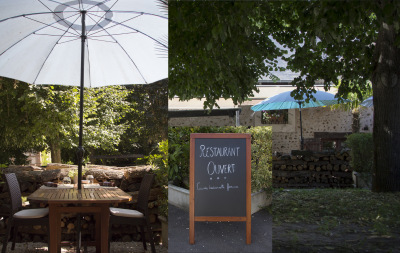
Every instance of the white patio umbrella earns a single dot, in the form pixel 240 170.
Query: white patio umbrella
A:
pixel 285 101
pixel 86 43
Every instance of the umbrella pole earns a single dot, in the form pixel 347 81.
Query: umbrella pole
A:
pixel 81 151
pixel 80 147
pixel 301 129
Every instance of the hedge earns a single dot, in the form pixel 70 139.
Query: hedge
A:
pixel 261 161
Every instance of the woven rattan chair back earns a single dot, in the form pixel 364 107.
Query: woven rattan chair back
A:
pixel 144 193
pixel 15 192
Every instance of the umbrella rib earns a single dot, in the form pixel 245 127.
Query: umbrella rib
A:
pixel 90 76
pixel 123 49
pixel 55 44
pixel 68 41
pixel 138 12
pixel 99 4
pixel 70 6
pixel 105 13
pixel 115 25
pixel 57 15
pixel 119 23
pixel 47 25
pixel 104 40
pixel 53 35
pixel 34 14
pixel 115 34
pixel 51 25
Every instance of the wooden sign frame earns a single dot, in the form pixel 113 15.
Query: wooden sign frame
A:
pixel 192 217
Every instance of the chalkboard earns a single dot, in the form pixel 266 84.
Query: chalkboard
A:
pixel 220 171
pixel 220 177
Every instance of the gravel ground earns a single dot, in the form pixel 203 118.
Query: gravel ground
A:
pixel 120 247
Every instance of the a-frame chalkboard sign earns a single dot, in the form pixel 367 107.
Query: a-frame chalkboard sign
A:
pixel 220 179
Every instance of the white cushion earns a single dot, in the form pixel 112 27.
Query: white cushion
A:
pixel 125 212
pixel 32 213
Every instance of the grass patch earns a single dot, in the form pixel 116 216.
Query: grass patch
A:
pixel 329 208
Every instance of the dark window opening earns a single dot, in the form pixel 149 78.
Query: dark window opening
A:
pixel 274 117
pixel 328 145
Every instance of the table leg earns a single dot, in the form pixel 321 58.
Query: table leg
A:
pixel 105 217
pixel 55 229
pixel 97 220
pixel 78 232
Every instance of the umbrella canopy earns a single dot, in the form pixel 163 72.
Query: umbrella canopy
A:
pixel 88 43
pixel 285 101
pixel 368 102
pixel 125 41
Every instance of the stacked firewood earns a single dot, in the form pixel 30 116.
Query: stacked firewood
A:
pixel 307 169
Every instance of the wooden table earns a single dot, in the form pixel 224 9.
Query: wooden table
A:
pixel 91 200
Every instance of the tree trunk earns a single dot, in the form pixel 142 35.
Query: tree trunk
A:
pixel 55 152
pixel 386 91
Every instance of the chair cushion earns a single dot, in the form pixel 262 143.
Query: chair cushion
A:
pixel 125 212
pixel 32 213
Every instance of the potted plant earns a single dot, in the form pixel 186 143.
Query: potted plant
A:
pixel 73 174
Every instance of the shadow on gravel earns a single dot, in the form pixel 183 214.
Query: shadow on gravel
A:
pixel 309 238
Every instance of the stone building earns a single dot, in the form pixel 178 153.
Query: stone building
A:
pixel 323 127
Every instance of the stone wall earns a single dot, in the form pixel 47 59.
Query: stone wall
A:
pixel 126 178
pixel 318 119
pixel 202 121
pixel 366 119
pixel 286 137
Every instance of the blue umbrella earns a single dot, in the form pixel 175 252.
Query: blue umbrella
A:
pixel 368 102
pixel 285 101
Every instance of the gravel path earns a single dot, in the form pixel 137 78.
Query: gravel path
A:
pixel 120 247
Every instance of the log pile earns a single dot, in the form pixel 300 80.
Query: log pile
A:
pixel 307 169
pixel 126 178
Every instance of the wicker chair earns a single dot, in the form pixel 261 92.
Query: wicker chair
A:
pixel 138 217
pixel 37 216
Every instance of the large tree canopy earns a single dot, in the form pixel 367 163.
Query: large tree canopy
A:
pixel 147 120
pixel 35 117
pixel 329 40
pixel 218 50
pixel 19 130
pixel 351 43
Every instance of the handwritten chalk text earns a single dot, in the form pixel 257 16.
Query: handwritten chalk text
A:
pixel 215 187
pixel 213 168
pixel 218 151
pixel 231 187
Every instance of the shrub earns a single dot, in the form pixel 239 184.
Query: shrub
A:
pixel 362 151
pixel 362 154
pixel 261 158
pixel 159 162
pixel 179 153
